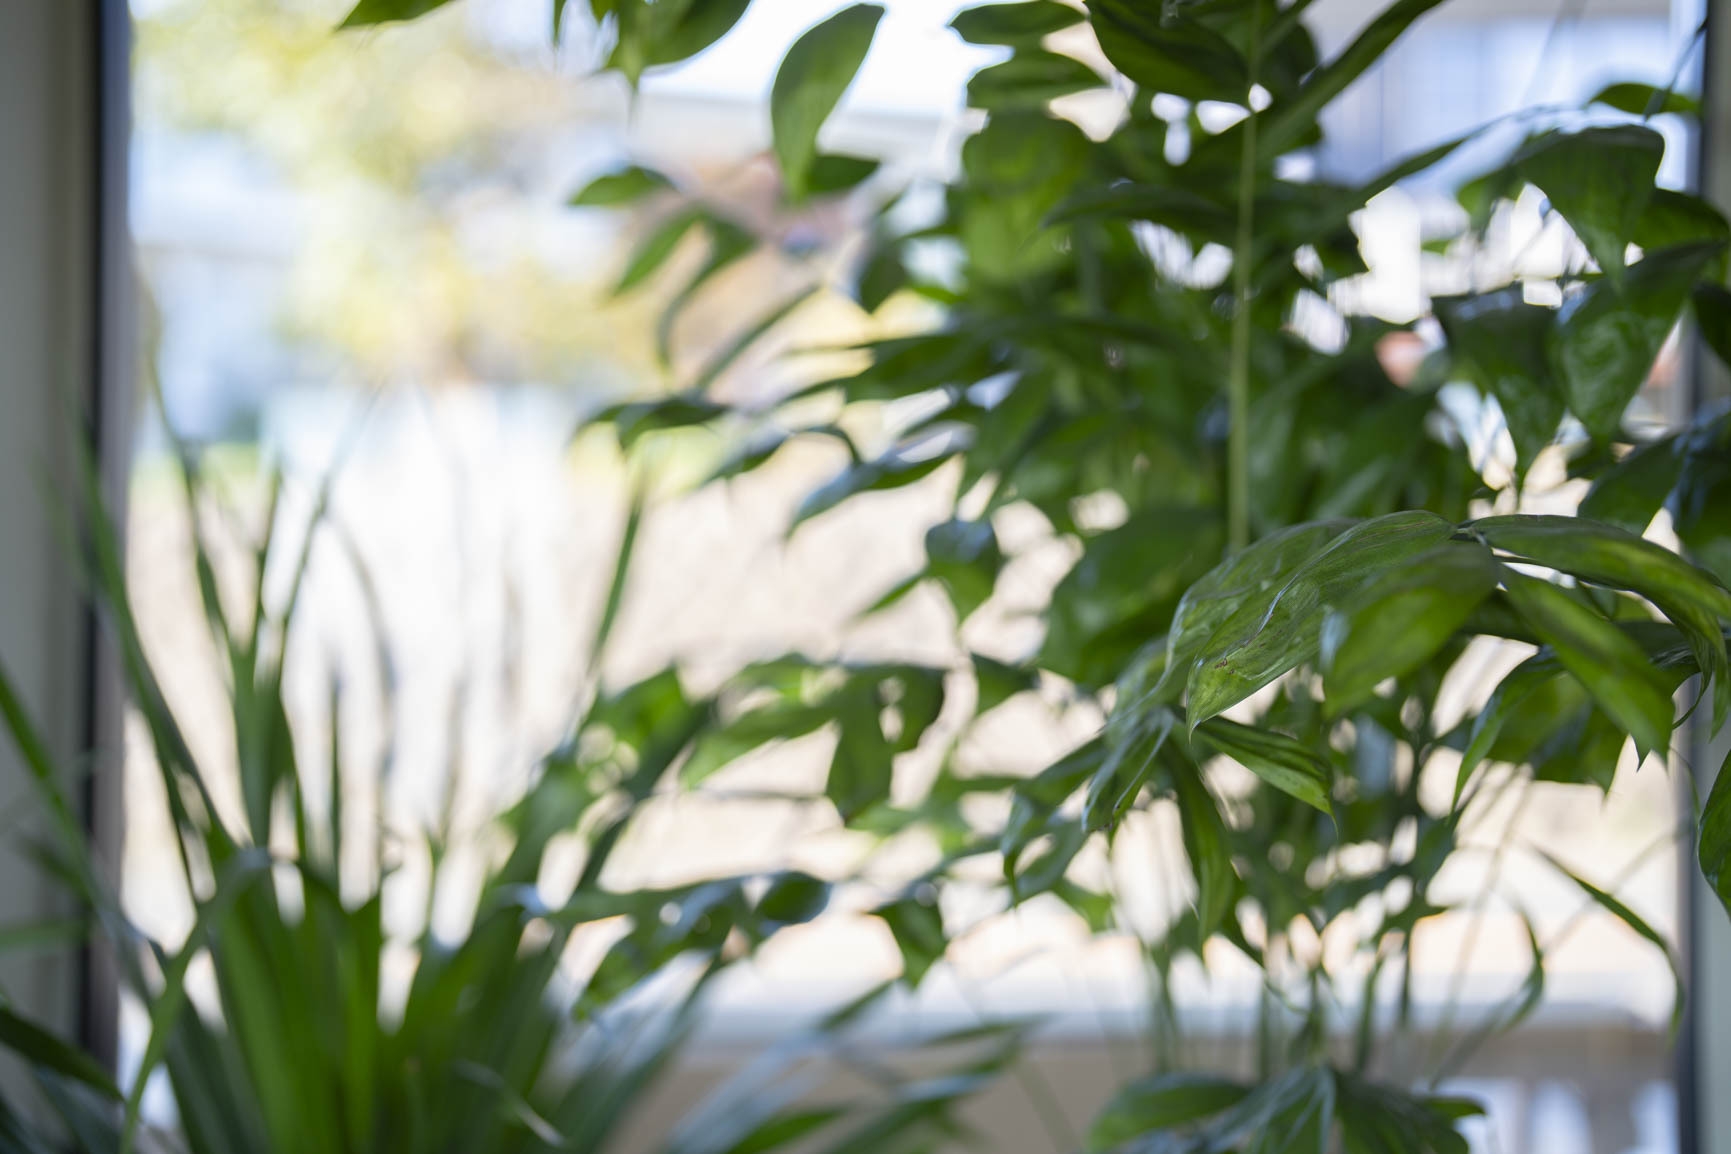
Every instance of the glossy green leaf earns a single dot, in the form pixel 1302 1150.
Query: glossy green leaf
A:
pixel 625 186
pixel 1032 78
pixel 1161 1102
pixel 1256 573
pixel 1281 761
pixel 1701 502
pixel 1401 618
pixel 813 75
pixel 1270 633
pixel 1608 339
pixel 1600 179
pixel 1014 24
pixel 1612 667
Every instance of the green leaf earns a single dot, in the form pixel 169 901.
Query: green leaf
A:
pixel 728 244
pixel 1134 741
pixel 918 927
pixel 1646 100
pixel 1600 179
pixel 1614 668
pixel 1691 597
pixel 902 465
pixel 1281 761
pixel 1713 317
pixel 1180 56
pixel 815 72
pixel 1032 78
pixel 47 1052
pixel 1161 1102
pixel 1608 339
pixel 654 249
pixel 863 767
pixel 1701 503
pixel 1617 909
pixel 1014 25
pixel 1674 218
pixel 1630 493
pixel 1401 618
pixel 1268 634
pixel 1383 1119
pixel 1713 840
pixel 1285 124
pixel 832 174
pixel 621 187
pixel 965 558
pixel 1125 588
pixel 998 682
pixel 1206 846
pixel 1257 572
pixel 1507 342
pixel 368 12
pixel 653 34
pixel 882 273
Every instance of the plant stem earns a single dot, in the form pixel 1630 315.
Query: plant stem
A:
pixel 1238 373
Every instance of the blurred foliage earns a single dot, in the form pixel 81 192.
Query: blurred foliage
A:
pixel 418 168
pixel 320 1024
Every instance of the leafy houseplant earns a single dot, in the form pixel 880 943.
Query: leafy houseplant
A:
pixel 1303 543
pixel 495 1043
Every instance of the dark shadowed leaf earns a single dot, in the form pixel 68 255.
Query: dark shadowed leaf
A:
pixel 1608 339
pixel 1630 493
pixel 1600 179
pixel 1506 342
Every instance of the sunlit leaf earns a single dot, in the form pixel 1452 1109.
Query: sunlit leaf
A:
pixel 813 75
